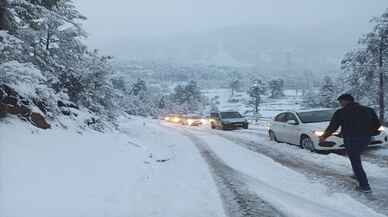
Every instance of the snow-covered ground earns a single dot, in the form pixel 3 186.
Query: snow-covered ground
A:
pixel 143 171
pixel 150 168
pixel 268 108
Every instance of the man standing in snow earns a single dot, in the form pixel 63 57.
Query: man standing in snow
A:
pixel 358 124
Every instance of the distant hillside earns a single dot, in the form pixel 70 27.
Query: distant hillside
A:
pixel 267 48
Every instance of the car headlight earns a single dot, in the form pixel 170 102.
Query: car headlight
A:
pixel 190 122
pixel 167 118
pixel 319 133
pixel 176 119
pixel 381 129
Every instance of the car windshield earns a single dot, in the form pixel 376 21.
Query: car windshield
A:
pixel 230 115
pixel 316 116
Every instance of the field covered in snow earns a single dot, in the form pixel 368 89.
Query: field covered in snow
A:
pixel 268 107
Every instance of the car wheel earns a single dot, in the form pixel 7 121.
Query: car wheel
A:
pixel 272 136
pixel 307 143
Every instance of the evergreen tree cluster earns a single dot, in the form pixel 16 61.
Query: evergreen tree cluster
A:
pixel 325 97
pixel 186 98
pixel 45 36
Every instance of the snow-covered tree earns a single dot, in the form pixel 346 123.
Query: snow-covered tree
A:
pixel 255 92
pixel 328 93
pixel 187 98
pixel 360 77
pixel 139 88
pixel 235 85
pixel 311 99
pixel 276 87
pixel 45 36
pixel 366 67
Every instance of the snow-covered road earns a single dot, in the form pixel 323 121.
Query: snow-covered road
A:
pixel 156 169
pixel 327 190
pixel 237 198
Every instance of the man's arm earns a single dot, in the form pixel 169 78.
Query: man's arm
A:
pixel 335 123
pixel 375 122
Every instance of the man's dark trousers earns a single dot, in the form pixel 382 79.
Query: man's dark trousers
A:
pixel 354 148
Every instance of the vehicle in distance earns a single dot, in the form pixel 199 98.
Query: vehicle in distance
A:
pixel 227 120
pixel 192 120
pixel 174 118
pixel 304 128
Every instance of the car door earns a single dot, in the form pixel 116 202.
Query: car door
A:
pixel 291 131
pixel 278 126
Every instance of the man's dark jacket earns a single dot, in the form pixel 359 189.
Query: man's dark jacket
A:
pixel 355 120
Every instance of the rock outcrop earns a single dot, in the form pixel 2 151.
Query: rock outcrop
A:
pixel 11 103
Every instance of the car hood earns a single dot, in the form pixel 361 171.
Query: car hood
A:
pixel 234 120
pixel 317 126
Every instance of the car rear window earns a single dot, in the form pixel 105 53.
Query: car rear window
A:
pixel 230 115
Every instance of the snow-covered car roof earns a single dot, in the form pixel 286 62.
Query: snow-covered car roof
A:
pixel 311 110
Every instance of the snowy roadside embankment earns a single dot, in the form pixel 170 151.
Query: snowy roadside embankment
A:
pixel 144 171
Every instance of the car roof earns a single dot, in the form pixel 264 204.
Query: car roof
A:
pixel 193 115
pixel 314 110
pixel 307 110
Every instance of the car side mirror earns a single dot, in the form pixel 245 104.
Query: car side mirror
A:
pixel 292 122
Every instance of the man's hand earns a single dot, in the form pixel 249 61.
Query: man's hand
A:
pixel 322 139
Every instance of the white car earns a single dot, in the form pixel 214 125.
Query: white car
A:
pixel 305 126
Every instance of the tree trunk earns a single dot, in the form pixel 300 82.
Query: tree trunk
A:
pixel 381 95
pixel 48 38
pixel 257 103
pixel 4 25
pixel 381 84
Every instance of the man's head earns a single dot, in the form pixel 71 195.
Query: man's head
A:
pixel 345 99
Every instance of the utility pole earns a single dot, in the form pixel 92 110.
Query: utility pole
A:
pixel 4 25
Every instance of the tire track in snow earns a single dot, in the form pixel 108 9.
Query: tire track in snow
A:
pixel 238 200
pixel 374 157
pixel 334 180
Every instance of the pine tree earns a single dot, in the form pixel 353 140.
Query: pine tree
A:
pixel 255 92
pixel 328 93
pixel 311 99
pixel 234 86
pixel 377 44
pixel 187 98
pixel 276 88
pixel 139 88
pixel 360 77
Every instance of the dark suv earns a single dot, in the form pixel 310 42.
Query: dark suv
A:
pixel 227 120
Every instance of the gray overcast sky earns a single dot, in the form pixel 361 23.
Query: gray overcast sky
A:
pixel 126 20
